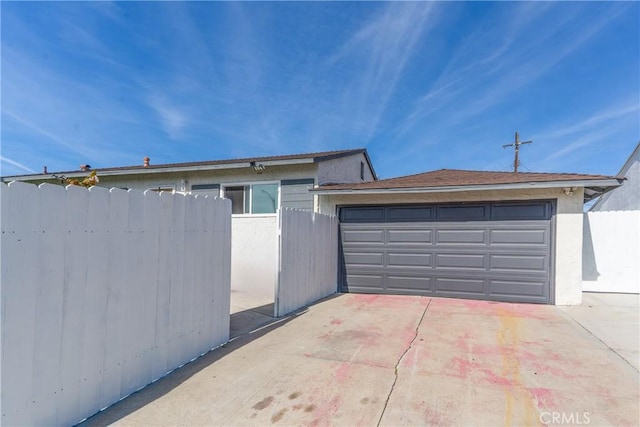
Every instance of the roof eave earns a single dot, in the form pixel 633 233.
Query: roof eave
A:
pixel 606 183
pixel 152 170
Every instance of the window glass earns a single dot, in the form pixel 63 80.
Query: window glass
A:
pixel 264 198
pixel 236 195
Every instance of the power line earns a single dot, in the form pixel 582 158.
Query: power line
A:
pixel 517 143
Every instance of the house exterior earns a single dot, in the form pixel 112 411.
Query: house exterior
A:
pixel 449 233
pixel 483 235
pixel 626 197
pixel 256 186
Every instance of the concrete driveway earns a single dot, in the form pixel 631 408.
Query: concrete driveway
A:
pixel 393 360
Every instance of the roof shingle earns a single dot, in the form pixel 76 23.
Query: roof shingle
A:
pixel 456 177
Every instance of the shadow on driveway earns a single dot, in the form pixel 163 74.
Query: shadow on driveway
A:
pixel 245 327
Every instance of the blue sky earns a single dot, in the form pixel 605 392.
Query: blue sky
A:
pixel 421 85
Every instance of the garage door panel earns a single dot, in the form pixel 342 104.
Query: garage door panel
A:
pixel 409 260
pixel 495 251
pixel 365 281
pixel 460 261
pixel 461 285
pixel 410 235
pixel 409 283
pixel 517 287
pixel 468 237
pixel 363 236
pixel 372 258
pixel 536 263
pixel 520 236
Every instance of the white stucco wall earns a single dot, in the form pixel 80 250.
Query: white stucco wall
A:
pixel 343 170
pixel 611 252
pixel 254 255
pixel 568 225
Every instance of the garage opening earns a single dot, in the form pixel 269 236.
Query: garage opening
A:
pixel 499 251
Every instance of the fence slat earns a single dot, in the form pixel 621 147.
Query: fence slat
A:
pixel 96 298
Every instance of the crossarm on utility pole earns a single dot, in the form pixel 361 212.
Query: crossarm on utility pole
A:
pixel 517 143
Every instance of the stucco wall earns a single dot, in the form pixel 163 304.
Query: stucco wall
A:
pixel 343 170
pixel 611 251
pixel 254 255
pixel 568 235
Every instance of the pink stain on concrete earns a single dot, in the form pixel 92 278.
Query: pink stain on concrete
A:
pixel 387 301
pixel 462 368
pixel 410 358
pixel 492 378
pixel 545 398
pixel 337 321
pixel 342 373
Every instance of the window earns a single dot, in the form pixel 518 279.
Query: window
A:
pixel 362 171
pixel 253 199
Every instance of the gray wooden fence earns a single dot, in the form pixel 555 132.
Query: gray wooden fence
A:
pixel 308 262
pixel 104 292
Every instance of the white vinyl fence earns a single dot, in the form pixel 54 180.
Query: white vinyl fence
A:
pixel 611 252
pixel 308 268
pixel 103 292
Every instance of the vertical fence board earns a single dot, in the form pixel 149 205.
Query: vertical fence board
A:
pixel 308 259
pixel 19 287
pixel 177 264
pixel 162 336
pixel 50 279
pixel 74 310
pixel 96 298
pixel 222 228
pixel 151 279
pixel 118 219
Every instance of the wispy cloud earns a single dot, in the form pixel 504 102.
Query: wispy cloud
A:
pixel 382 47
pixel 477 79
pixel 48 134
pixel 172 119
pixel 16 164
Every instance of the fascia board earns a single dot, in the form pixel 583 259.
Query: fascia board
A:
pixel 78 174
pixel 461 188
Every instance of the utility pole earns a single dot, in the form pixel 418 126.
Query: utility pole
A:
pixel 517 145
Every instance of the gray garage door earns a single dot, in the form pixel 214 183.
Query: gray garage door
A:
pixel 492 251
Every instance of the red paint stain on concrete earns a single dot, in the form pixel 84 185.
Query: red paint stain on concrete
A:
pixel 496 379
pixel 544 397
pixel 336 321
pixel 342 373
pixel 462 367
pixel 387 301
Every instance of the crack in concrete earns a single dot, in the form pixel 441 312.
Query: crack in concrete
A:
pixel 395 369
pixel 598 338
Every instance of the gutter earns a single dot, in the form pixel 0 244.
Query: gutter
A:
pixel 478 187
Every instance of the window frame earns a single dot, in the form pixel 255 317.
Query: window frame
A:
pixel 249 194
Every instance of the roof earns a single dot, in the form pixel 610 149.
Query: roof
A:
pixel 465 180
pixel 214 164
